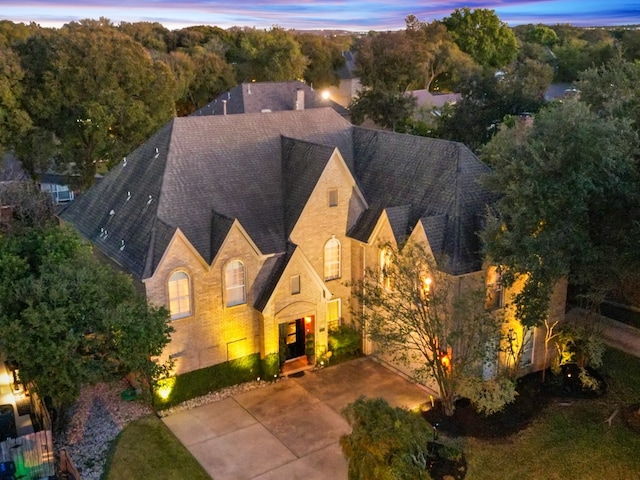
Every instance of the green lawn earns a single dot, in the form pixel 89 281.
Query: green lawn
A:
pixel 569 441
pixel 146 449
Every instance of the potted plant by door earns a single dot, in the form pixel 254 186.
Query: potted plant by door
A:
pixel 310 348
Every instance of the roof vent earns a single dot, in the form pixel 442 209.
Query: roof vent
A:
pixel 157 154
pixel 249 88
pixel 224 107
pixel 122 245
pixel 228 95
pixel 124 162
pixel 112 213
pixel 128 196
pixel 150 200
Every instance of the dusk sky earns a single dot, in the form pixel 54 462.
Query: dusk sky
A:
pixel 355 15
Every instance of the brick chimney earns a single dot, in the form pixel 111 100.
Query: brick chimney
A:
pixel 299 99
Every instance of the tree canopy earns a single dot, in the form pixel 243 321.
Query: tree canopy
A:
pixel 97 90
pixel 66 319
pixel 482 34
pixel 569 206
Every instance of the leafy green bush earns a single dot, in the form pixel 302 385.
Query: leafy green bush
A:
pixel 488 396
pixel 270 366
pixel 579 344
pixel 385 443
pixel 175 390
pixel 344 343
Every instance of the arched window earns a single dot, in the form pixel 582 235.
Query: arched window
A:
pixel 179 295
pixel 332 269
pixel 234 279
pixel 385 268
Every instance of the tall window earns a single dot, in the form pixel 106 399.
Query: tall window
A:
pixel 385 266
pixel 333 197
pixel 179 295
pixel 294 283
pixel 334 314
pixel 332 259
pixel 234 276
pixel 494 289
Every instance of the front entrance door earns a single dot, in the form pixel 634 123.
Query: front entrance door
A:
pixel 292 338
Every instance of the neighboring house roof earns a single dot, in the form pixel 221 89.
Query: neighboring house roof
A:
pixel 557 91
pixel 257 97
pixel 425 98
pixel 201 173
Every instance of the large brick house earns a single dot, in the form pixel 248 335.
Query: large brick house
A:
pixel 248 227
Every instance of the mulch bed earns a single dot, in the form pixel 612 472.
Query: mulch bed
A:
pixel 533 396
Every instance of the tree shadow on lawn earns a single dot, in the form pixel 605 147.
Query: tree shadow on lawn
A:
pixel 532 399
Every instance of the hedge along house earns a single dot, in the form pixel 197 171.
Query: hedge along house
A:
pixel 249 227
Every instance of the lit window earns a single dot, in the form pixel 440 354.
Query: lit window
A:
pixel 235 283
pixel 332 259
pixel 494 289
pixel 179 295
pixel 295 284
pixel 385 268
pixel 333 197
pixel 333 314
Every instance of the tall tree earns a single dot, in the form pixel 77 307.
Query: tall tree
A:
pixel 570 204
pixel 413 315
pixel 98 90
pixel 269 56
pixel 14 120
pixel 325 58
pixel 482 34
pixel 487 99
pixel 387 109
pixel 435 53
pixel 67 320
pixel 613 89
pixel 386 62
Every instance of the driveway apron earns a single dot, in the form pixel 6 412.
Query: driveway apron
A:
pixel 289 429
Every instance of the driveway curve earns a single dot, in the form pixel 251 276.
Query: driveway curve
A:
pixel 291 428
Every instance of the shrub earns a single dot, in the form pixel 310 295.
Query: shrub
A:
pixel 175 390
pixel 385 443
pixel 581 345
pixel 344 343
pixel 488 396
pixel 270 366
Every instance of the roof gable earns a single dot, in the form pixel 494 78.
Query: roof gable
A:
pixel 278 275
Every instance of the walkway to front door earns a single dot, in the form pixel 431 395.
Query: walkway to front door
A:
pixel 288 429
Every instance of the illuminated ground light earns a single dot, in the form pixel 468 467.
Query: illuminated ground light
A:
pixel 165 387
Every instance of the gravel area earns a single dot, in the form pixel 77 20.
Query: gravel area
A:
pixel 100 414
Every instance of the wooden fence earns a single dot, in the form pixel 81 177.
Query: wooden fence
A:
pixel 32 455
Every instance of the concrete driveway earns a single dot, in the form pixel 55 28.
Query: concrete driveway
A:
pixel 290 429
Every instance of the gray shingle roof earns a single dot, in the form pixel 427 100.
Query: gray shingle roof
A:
pixel 434 177
pixel 199 173
pixel 208 170
pixel 274 96
pixel 123 206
